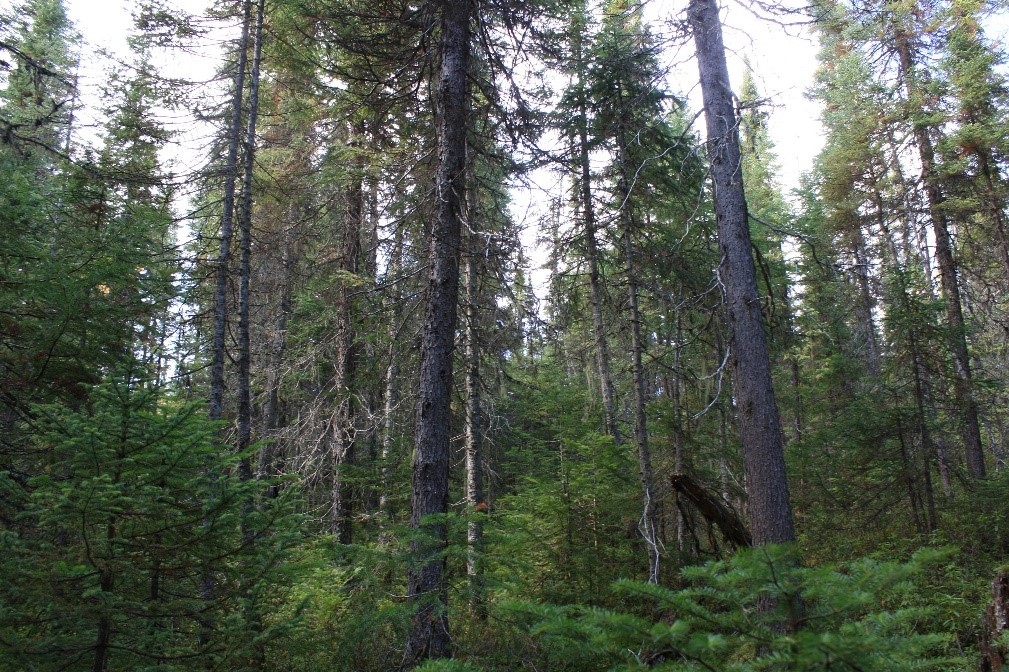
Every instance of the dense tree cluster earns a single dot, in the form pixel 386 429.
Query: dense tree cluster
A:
pixel 303 407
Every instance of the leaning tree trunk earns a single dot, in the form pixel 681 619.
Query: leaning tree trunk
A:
pixel 963 384
pixel 429 635
pixel 759 426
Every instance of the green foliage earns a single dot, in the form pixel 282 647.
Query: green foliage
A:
pixel 133 511
pixel 760 610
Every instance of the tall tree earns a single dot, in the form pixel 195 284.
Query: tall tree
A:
pixel 759 426
pixel 429 635
pixel 931 182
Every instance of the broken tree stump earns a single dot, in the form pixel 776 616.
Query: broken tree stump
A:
pixel 994 622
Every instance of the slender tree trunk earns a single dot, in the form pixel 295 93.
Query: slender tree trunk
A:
pixel 963 384
pixel 866 304
pixel 648 524
pixel 271 406
pixel 429 635
pixel 679 439
pixel 216 405
pixel 922 380
pixel 475 498
pixel 390 401
pixel 343 422
pixel 244 438
pixel 591 247
pixel 763 453
pixel 245 261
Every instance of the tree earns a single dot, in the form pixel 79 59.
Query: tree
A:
pixel 429 636
pixel 759 426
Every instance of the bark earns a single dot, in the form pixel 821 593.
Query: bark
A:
pixel 866 326
pixel 994 624
pixel 957 339
pixel 713 508
pixel 271 405
pixel 475 497
pixel 763 453
pixel 215 408
pixel 429 635
pixel 343 419
pixel 592 251
pixel 648 524
pixel 244 438
pixel 922 380
pixel 390 400
pixel 245 246
pixel 216 403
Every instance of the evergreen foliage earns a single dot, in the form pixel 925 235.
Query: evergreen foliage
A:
pixel 291 524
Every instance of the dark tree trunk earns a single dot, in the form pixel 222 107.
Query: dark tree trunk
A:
pixel 649 518
pixel 216 405
pixel 271 405
pixel 343 419
pixel 429 635
pixel 591 247
pixel 963 384
pixel 245 259
pixel 759 426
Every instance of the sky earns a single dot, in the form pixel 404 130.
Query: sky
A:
pixel 784 62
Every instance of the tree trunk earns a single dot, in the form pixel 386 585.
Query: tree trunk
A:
pixel 271 405
pixel 591 248
pixel 390 400
pixel 429 635
pixel 763 453
pixel 216 404
pixel 245 261
pixel 648 524
pixel 995 623
pixel 475 498
pixel 957 338
pixel 343 419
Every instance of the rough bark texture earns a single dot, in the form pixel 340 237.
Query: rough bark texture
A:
pixel 216 404
pixel 763 454
pixel 429 635
pixel 963 384
pixel 245 257
pixel 343 417
pixel 713 508
pixel 994 623
pixel 473 438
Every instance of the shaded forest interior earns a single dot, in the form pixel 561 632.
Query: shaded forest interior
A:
pixel 306 398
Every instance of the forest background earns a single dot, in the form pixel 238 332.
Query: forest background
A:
pixel 277 391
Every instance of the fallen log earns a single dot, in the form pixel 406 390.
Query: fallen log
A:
pixel 714 508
